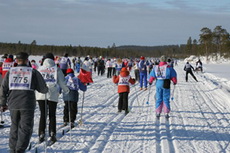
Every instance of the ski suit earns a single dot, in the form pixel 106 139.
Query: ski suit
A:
pixel 142 65
pixel 188 68
pixel 74 84
pixel 162 73
pixel 123 81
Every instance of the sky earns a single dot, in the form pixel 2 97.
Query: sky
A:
pixel 100 23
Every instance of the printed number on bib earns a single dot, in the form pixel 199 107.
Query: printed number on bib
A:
pixel 20 78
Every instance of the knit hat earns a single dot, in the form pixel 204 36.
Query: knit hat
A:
pixel 22 55
pixel 163 58
pixel 49 55
pixel 69 71
pixel 142 58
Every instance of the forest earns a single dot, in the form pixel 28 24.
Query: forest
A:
pixel 211 42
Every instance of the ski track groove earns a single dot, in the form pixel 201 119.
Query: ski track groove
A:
pixel 181 117
pixel 209 102
pixel 105 142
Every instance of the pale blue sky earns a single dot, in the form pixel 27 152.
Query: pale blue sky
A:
pixel 104 22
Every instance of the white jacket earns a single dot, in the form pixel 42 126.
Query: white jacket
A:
pixel 53 93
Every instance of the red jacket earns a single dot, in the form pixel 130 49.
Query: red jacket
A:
pixel 123 87
pixel 8 60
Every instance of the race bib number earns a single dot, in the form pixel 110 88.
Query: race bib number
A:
pixel 20 78
pixel 49 74
pixel 7 65
pixel 160 72
pixel 124 80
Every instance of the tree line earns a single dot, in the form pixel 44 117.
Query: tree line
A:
pixel 216 42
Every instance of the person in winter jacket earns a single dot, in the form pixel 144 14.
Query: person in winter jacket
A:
pixel 71 99
pixel 163 74
pixel 100 66
pixel 78 64
pixel 54 78
pixel 123 81
pixel 142 65
pixel 65 63
pixel 119 66
pixel 109 65
pixel 7 64
pixel 188 68
pixel 18 94
pixel 136 71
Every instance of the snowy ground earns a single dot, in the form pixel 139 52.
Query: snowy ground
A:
pixel 199 119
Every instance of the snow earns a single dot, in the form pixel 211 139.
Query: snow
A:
pixel 199 120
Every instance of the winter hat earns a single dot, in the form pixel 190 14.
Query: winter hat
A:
pixel 142 58
pixel 22 55
pixel 163 58
pixel 11 56
pixel 69 71
pixel 49 55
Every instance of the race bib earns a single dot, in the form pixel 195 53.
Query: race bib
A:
pixel 72 83
pixel 63 60
pixel 49 74
pixel 124 80
pixel 160 72
pixel 7 65
pixel 20 78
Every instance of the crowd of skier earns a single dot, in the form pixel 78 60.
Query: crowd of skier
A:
pixel 54 75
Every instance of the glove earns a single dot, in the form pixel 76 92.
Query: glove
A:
pixel 3 108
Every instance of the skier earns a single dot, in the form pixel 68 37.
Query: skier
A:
pixel 119 65
pixel 199 65
pixel 7 64
pixel 54 78
pixel 123 81
pixel 78 64
pixel 142 65
pixel 71 99
pixel 109 68
pixel 100 66
pixel 136 71
pixel 163 74
pixel 18 92
pixel 65 63
pixel 188 68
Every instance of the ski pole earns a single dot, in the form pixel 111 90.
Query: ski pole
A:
pixel 81 122
pixel 70 120
pixel 172 97
pixel 46 113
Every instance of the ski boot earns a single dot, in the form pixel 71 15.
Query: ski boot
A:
pixel 158 115
pixel 41 138
pixel 167 116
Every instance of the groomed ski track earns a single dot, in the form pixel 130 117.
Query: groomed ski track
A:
pixel 199 121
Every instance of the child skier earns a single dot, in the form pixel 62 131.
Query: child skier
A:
pixel 71 99
pixel 123 81
pixel 163 74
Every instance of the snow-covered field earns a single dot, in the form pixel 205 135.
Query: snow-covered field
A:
pixel 199 119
